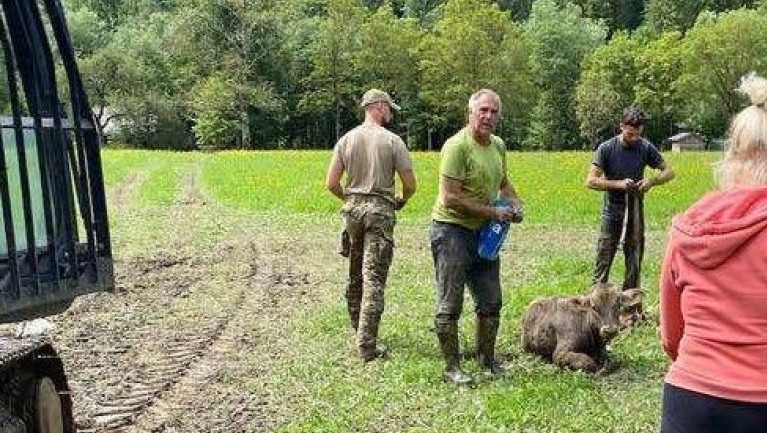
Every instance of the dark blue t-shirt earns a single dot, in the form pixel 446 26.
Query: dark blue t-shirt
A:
pixel 622 162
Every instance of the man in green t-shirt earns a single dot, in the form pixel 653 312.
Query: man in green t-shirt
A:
pixel 472 175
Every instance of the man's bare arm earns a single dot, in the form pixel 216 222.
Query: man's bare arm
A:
pixel 665 175
pixel 508 192
pixel 407 177
pixel 408 184
pixel 333 179
pixel 454 198
pixel 596 180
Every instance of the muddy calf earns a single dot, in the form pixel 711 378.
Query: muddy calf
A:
pixel 573 331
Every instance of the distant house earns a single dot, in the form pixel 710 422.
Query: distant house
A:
pixel 717 144
pixel 687 141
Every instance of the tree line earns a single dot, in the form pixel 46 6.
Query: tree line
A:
pixel 258 74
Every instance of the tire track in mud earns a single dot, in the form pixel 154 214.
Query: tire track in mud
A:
pixel 144 383
pixel 125 192
pixel 111 359
pixel 270 285
pixel 158 348
pixel 246 411
pixel 118 411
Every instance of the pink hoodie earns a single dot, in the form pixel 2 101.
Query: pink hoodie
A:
pixel 714 296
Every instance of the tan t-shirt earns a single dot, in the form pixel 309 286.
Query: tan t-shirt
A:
pixel 370 155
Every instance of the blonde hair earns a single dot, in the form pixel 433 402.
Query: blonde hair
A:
pixel 745 161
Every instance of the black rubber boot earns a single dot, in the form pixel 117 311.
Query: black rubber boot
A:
pixel 379 352
pixel 486 333
pixel 448 343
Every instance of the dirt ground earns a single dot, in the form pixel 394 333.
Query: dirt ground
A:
pixel 195 330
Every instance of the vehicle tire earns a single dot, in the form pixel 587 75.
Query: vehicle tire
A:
pixel 45 409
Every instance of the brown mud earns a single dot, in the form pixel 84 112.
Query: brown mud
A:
pixel 195 328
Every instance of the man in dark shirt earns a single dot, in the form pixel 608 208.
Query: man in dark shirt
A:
pixel 618 169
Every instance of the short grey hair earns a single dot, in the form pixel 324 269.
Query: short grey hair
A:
pixel 745 162
pixel 474 98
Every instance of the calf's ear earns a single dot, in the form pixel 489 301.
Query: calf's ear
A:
pixel 632 296
pixel 603 288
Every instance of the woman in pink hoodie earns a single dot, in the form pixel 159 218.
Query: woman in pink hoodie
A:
pixel 714 291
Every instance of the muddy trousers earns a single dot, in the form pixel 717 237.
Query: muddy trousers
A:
pixel 457 264
pixel 613 217
pixel 369 222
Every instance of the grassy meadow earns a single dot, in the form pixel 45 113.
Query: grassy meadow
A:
pixel 324 388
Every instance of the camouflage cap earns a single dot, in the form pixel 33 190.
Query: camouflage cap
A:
pixel 374 95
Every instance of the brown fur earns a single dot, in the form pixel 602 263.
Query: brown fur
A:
pixel 573 331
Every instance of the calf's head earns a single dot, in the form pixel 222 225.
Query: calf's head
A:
pixel 610 303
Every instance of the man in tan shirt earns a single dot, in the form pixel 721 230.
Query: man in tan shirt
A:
pixel 370 155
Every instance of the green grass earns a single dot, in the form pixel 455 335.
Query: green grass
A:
pixel 118 163
pixel 551 184
pixel 289 181
pixel 328 390
pixel 405 393
pixel 165 180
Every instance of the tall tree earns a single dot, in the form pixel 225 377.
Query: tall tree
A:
pixel 616 14
pixel 715 54
pixel 116 12
pixel 680 15
pixel 388 60
pixel 425 11
pixel 670 15
pixel 474 45
pixel 332 83
pixel 108 11
pixel 520 9
pixel 561 38
pixel 237 44
pixel 143 90
pixel 659 63
pixel 606 87
pixel 90 35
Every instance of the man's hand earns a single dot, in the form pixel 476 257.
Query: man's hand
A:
pixel 644 185
pixel 628 184
pixel 519 211
pixel 503 213
pixel 399 203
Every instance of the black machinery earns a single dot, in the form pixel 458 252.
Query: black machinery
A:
pixel 56 243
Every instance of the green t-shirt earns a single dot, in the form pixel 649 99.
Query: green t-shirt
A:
pixel 480 170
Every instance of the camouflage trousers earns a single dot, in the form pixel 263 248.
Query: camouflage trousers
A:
pixel 613 218
pixel 457 264
pixel 369 222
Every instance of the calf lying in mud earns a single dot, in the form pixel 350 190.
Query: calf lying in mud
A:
pixel 574 331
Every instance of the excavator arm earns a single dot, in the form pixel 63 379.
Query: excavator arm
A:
pixel 55 242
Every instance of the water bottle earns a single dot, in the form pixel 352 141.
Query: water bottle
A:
pixel 493 234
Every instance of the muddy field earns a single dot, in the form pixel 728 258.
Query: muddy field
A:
pixel 229 314
pixel 192 335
